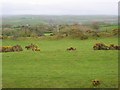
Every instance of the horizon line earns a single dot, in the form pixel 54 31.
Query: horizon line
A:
pixel 60 14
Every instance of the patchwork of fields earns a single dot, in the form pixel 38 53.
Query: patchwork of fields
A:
pixel 55 67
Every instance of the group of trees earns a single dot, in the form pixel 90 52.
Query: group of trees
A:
pixel 26 30
pixel 73 30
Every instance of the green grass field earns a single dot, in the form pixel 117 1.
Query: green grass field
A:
pixel 54 67
pixel 109 28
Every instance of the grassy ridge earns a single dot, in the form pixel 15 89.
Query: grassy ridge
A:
pixel 54 67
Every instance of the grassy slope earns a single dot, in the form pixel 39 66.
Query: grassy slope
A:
pixel 55 67
pixel 109 28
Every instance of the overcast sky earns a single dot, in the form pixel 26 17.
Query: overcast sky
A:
pixel 60 7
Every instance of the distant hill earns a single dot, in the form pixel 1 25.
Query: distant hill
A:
pixel 57 19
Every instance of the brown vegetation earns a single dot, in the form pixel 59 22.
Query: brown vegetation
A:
pixel 15 48
pixel 32 47
pixel 95 82
pixel 102 46
pixel 71 49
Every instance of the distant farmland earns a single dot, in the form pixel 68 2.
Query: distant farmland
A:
pixel 64 19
